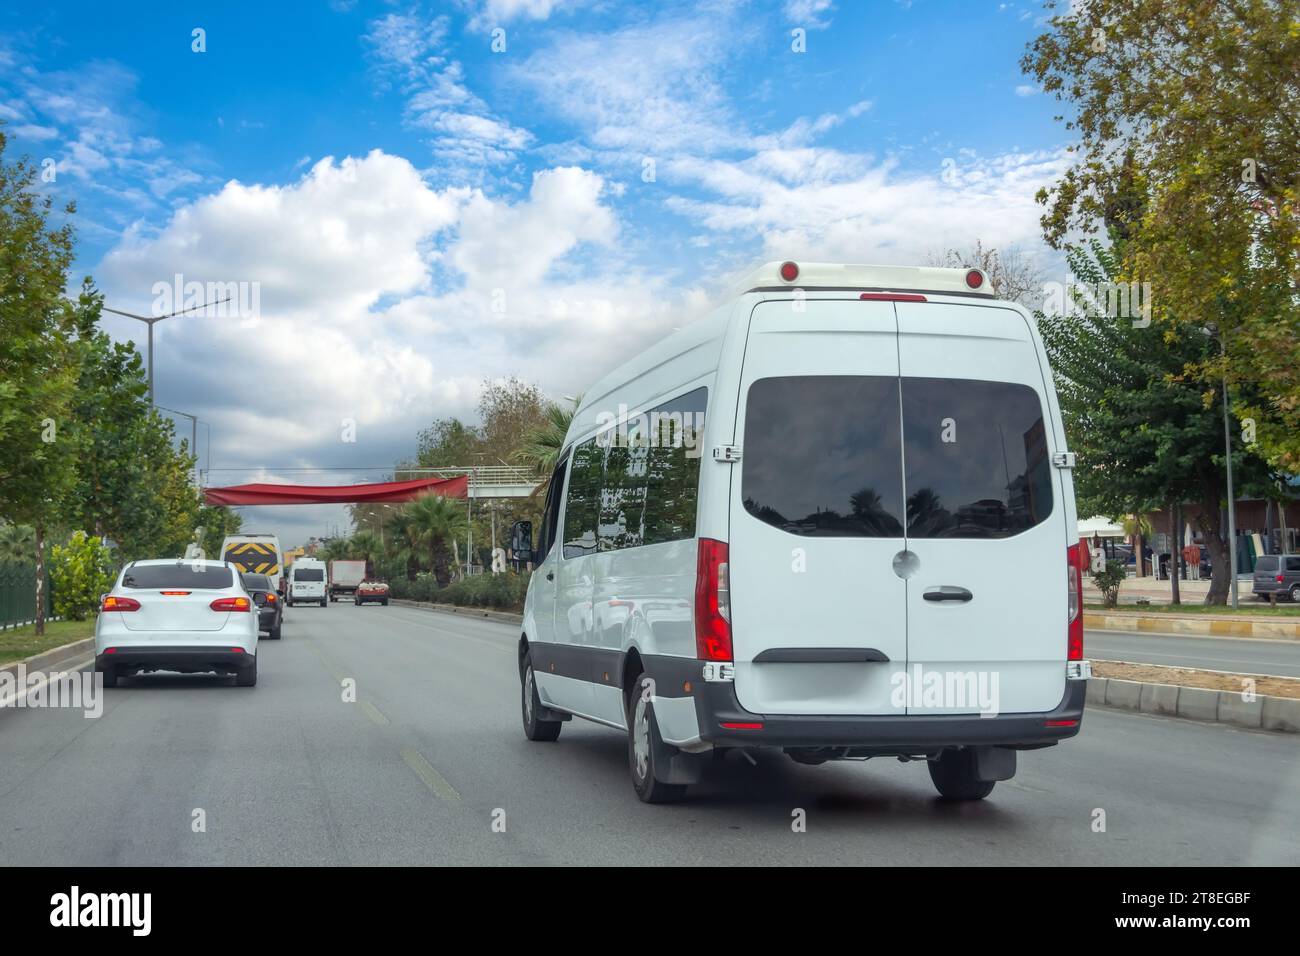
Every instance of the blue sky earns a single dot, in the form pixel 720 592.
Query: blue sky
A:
pixel 419 211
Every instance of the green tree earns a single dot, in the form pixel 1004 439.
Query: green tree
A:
pixel 1197 103
pixel 80 572
pixel 17 543
pixel 434 522
pixel 540 445
pixel 217 521
pixel 38 367
pixel 1147 433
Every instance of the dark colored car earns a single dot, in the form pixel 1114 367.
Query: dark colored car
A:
pixel 371 592
pixel 1277 574
pixel 270 608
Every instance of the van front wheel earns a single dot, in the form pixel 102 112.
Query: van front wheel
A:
pixel 954 776
pixel 642 742
pixel 531 704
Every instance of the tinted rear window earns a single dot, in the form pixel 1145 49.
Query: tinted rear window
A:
pixel 977 464
pixel 1266 562
pixel 256 582
pixel 822 455
pixel 180 576
pixel 309 574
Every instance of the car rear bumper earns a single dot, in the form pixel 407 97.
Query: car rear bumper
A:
pixel 184 659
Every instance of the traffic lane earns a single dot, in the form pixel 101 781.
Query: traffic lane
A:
pixel 1171 790
pixel 284 773
pixel 1238 655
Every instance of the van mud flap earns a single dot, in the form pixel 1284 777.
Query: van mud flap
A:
pixel 994 763
pixel 673 765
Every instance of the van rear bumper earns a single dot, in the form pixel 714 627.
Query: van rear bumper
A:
pixel 716 705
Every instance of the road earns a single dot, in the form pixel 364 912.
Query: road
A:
pixel 1240 655
pixel 416 771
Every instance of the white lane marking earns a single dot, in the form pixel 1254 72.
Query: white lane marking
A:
pixel 431 778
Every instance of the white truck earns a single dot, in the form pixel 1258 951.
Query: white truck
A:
pixel 345 576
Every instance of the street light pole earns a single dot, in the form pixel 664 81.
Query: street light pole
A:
pixel 1232 499
pixel 194 437
pixel 152 320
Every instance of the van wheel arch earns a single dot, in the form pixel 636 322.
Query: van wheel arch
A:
pixel 632 668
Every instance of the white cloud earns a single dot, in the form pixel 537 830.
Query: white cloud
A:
pixel 1026 89
pixel 490 13
pixel 810 14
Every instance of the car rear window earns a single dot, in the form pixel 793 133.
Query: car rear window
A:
pixel 822 455
pixel 182 575
pixel 1266 562
pixel 1293 564
pixel 976 457
pixel 309 574
pixel 256 582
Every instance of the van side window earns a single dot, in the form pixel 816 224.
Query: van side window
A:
pixel 650 492
pixel 582 506
pixel 551 512
pixel 976 457
pixel 822 455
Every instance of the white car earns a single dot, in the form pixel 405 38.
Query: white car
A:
pixel 834 518
pixel 190 616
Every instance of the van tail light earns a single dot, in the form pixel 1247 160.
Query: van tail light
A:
pixel 1281 579
pixel 712 602
pixel 115 603
pixel 1074 574
pixel 231 604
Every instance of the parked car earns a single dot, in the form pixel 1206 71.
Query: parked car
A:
pixel 270 609
pixel 1277 574
pixel 371 592
pixel 172 615
pixel 307 583
pixel 881 445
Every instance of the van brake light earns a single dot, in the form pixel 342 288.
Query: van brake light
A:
pixel 892 297
pixel 712 602
pixel 1074 584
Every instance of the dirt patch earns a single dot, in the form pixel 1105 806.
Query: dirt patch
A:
pixel 1190 677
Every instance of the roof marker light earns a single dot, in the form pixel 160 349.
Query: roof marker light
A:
pixel 974 278
pixel 789 271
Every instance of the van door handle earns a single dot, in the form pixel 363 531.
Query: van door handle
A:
pixel 947 593
pixel 550 575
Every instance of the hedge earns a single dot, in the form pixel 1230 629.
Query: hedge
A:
pixel 500 591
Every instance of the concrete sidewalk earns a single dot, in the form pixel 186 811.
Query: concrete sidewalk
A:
pixel 1208 625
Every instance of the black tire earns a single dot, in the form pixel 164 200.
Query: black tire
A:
pixel 275 633
pixel 642 741
pixel 530 707
pixel 1295 593
pixel 110 676
pixel 247 676
pixel 953 775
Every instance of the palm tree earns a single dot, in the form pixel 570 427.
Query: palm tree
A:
pixel 365 545
pixel 404 541
pixel 437 520
pixel 17 543
pixel 541 445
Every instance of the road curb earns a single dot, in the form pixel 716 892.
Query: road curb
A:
pixel 1209 627
pixel 504 617
pixel 53 657
pixel 1280 714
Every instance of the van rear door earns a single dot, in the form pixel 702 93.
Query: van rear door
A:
pixel 817 511
pixel 987 605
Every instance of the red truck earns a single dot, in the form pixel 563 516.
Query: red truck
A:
pixel 345 576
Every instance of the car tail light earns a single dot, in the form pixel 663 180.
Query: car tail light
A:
pixel 1280 579
pixel 712 602
pixel 231 604
pixel 175 593
pixel 115 603
pixel 892 297
pixel 740 726
pixel 1074 577
pixel 1060 723
pixel 270 598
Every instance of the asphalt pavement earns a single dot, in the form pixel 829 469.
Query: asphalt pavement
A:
pixel 430 766
pixel 1236 654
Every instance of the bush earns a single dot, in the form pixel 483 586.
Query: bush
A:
pixel 500 591
pixel 1108 580
pixel 80 571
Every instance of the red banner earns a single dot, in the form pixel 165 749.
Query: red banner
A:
pixel 388 491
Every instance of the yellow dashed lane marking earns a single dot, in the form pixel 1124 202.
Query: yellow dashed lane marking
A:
pixel 373 712
pixel 432 779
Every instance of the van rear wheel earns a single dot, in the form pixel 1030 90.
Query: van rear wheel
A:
pixel 643 741
pixel 531 705
pixel 954 776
